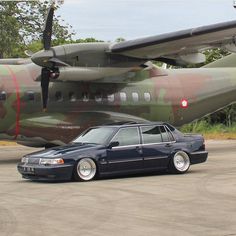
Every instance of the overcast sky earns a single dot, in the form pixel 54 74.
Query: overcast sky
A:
pixel 109 19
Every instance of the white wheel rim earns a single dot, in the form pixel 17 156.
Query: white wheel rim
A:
pixel 86 169
pixel 181 161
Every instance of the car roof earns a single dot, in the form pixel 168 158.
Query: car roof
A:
pixel 133 124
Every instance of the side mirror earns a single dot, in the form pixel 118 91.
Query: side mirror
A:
pixel 113 144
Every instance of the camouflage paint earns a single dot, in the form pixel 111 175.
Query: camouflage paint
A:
pixel 206 90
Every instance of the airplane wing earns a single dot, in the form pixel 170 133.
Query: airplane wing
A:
pixel 185 45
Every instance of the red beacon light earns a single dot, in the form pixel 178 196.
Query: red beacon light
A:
pixel 184 103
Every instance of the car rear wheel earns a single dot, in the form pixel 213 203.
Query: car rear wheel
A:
pixel 85 170
pixel 180 163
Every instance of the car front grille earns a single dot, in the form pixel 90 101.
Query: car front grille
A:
pixel 33 160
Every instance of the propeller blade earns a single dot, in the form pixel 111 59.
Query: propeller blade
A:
pixel 45 78
pixel 47 32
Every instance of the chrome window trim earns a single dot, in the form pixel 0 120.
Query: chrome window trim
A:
pixel 127 146
pixel 166 127
pixel 145 144
pixel 141 138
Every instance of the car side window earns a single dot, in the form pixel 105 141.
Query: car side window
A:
pixel 127 136
pixel 164 134
pixel 151 134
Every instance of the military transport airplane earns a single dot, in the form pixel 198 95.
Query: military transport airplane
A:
pixel 99 83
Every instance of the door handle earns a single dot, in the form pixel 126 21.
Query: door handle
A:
pixel 139 150
pixel 168 145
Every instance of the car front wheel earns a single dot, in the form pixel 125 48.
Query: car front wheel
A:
pixel 180 163
pixel 85 170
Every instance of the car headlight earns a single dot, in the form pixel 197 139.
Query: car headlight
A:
pixel 44 161
pixel 25 160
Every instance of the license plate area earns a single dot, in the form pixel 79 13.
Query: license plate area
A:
pixel 28 170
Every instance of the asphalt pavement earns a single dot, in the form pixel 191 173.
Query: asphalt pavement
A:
pixel 201 202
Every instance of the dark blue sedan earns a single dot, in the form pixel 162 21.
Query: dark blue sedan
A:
pixel 117 149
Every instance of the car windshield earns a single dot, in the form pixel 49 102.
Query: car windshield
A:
pixel 97 135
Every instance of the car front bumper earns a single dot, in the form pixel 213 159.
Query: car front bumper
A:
pixel 198 157
pixel 40 172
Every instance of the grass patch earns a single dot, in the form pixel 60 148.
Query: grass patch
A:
pixel 217 131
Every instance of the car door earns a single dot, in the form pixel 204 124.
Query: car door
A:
pixel 156 146
pixel 127 156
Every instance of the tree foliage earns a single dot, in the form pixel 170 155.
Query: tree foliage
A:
pixel 22 23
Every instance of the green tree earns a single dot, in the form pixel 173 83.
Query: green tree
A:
pixel 9 29
pixel 22 23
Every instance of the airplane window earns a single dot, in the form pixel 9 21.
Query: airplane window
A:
pixel 98 97
pixel 135 97
pixel 30 96
pixel 58 96
pixel 72 96
pixel 85 96
pixel 111 98
pixel 3 96
pixel 123 97
pixel 147 97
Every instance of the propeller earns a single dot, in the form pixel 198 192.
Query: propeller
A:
pixel 47 32
pixel 47 58
pixel 46 72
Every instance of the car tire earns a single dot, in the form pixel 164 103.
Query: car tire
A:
pixel 85 170
pixel 179 163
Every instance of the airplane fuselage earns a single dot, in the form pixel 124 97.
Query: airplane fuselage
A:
pixel 175 96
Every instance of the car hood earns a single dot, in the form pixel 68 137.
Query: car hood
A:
pixel 59 151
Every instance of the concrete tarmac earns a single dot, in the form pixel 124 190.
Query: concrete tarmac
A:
pixel 201 202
